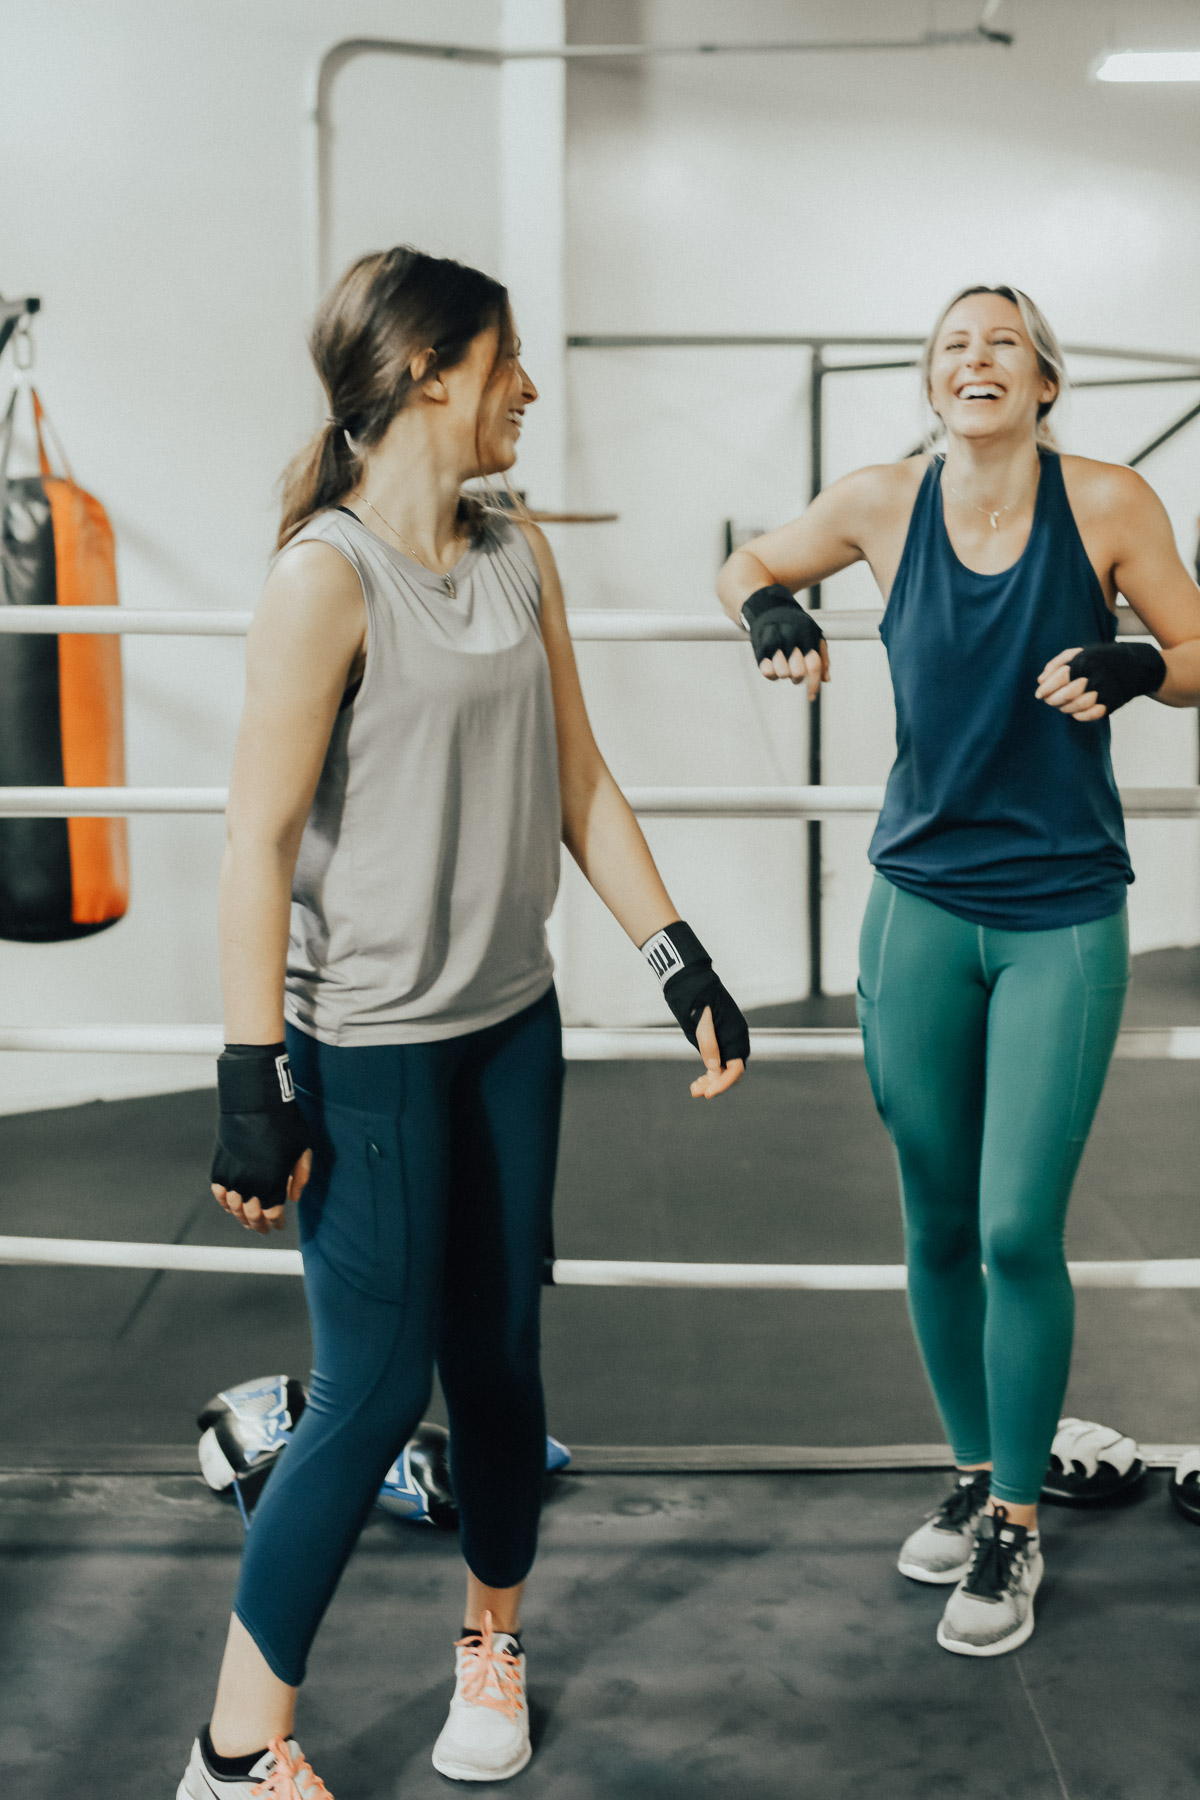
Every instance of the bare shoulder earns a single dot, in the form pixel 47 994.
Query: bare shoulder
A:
pixel 874 495
pixel 1103 489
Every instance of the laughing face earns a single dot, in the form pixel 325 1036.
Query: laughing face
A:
pixel 984 379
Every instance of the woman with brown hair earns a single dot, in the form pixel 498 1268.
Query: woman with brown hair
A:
pixel 994 953
pixel 413 747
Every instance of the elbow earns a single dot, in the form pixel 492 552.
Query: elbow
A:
pixel 262 842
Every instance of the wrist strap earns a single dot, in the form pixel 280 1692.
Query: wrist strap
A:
pixel 673 949
pixel 766 599
pixel 254 1078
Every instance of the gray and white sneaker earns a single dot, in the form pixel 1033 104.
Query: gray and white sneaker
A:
pixel 941 1549
pixel 991 1609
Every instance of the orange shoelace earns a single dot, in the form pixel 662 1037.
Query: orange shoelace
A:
pixel 290 1780
pixel 491 1677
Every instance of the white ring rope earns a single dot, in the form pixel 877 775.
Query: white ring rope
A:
pixel 621 625
pixel 841 1278
pixel 581 1043
pixel 650 802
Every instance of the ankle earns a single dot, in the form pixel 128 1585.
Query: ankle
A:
pixel 1014 1514
pixel 226 1761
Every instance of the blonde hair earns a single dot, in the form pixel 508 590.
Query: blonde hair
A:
pixel 1048 350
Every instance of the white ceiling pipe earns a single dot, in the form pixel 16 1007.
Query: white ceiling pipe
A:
pixel 335 59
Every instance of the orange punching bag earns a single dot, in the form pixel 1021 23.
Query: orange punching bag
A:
pixel 60 705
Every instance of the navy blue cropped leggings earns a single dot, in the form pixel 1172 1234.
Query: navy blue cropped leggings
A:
pixel 424 1229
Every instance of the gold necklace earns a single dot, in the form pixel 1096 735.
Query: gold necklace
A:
pixel 993 516
pixel 415 554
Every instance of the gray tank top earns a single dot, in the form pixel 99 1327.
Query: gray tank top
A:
pixel 430 859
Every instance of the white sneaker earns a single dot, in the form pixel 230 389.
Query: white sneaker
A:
pixel 281 1773
pixel 940 1550
pixel 991 1609
pixel 486 1737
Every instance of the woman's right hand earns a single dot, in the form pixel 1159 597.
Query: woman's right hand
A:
pixel 788 643
pixel 252 1213
pixel 262 1156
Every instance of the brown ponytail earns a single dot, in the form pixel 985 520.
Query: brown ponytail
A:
pixel 386 309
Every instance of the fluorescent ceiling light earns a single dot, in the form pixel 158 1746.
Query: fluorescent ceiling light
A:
pixel 1150 65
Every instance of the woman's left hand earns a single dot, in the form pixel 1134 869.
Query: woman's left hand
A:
pixel 1056 688
pixel 716 1078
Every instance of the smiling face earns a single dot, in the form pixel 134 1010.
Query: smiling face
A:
pixel 489 392
pixel 985 380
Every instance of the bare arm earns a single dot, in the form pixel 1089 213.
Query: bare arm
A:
pixel 1148 570
pixel 856 519
pixel 307 633
pixel 599 828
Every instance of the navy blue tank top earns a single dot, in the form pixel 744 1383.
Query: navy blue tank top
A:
pixel 998 808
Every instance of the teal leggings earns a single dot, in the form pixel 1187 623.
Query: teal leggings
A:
pixel 986 1052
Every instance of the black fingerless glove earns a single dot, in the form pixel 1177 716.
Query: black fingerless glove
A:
pixel 261 1133
pixel 684 968
pixel 1119 672
pixel 776 620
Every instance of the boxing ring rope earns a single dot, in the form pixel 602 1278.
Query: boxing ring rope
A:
pixel 649 802
pixel 836 1278
pixel 581 1043
pixel 618 626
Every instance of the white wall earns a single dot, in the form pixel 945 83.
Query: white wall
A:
pixel 155 196
pixel 842 193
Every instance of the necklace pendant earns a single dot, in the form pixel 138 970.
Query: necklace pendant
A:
pixel 450 588
pixel 994 517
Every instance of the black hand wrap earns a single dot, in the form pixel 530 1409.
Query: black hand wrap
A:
pixel 261 1133
pixel 684 968
pixel 1119 672
pixel 776 620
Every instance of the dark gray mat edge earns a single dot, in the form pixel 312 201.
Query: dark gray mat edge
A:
pixel 586 1459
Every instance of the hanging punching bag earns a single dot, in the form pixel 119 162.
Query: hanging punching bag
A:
pixel 60 705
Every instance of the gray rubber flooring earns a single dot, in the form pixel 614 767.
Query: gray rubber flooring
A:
pixel 689 1635
pixel 734 1636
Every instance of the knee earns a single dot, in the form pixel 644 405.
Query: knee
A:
pixel 501 1383
pixel 942 1250
pixel 1021 1250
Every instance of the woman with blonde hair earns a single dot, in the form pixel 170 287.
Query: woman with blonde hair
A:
pixel 994 952
pixel 413 746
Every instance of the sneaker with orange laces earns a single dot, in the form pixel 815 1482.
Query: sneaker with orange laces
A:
pixel 486 1737
pixel 281 1773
